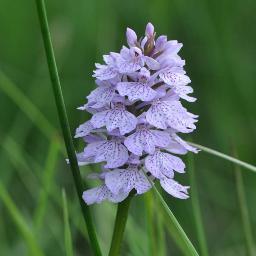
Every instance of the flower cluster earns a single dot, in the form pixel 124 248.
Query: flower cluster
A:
pixel 136 115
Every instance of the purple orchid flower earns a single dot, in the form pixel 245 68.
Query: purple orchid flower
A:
pixel 136 117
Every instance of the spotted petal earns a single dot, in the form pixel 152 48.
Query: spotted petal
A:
pixel 124 180
pixel 84 129
pixel 174 188
pixel 146 140
pixel 101 96
pixel 105 72
pixel 111 151
pixel 174 78
pixel 116 117
pixel 101 193
pixel 163 114
pixel 183 91
pixel 162 164
pixel 136 91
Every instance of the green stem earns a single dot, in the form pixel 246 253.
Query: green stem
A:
pixel 121 218
pixel 224 156
pixel 196 206
pixel 64 122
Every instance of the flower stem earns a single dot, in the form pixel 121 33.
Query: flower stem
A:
pixel 59 100
pixel 121 218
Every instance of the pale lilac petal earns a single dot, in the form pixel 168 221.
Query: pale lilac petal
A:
pixel 174 78
pixel 101 96
pixel 105 72
pixel 101 193
pixel 124 180
pixel 84 129
pixel 136 91
pixel 183 90
pixel 146 140
pixel 163 164
pixel 149 30
pixel 163 114
pixel 152 63
pixel 174 188
pixel 113 152
pixel 131 37
pixel 116 117
pixel 184 143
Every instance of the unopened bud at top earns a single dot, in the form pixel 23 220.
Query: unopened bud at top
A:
pixel 131 37
pixel 149 30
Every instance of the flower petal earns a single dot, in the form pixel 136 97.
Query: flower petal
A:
pixel 116 117
pixel 174 188
pixel 84 129
pixel 101 96
pixel 124 180
pixel 146 140
pixel 163 114
pixel 162 164
pixel 101 193
pixel 136 91
pixel 174 78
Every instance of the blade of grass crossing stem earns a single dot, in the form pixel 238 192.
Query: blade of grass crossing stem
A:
pixel 47 183
pixel 244 211
pixel 188 246
pixel 171 229
pixel 196 207
pixel 148 198
pixel 224 156
pixel 67 231
pixel 33 247
pixel 63 119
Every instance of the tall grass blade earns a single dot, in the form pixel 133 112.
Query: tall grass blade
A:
pixel 59 100
pixel 196 207
pixel 224 156
pixel 47 183
pixel 67 231
pixel 34 249
pixel 26 105
pixel 244 211
pixel 181 235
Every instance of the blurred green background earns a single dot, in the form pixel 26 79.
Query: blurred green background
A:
pixel 219 48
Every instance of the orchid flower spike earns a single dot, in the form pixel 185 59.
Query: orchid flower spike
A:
pixel 137 115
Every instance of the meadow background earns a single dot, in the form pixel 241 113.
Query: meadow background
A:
pixel 219 48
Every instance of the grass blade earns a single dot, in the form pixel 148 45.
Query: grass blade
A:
pixel 47 183
pixel 63 119
pixel 26 105
pixel 196 206
pixel 224 156
pixel 181 235
pixel 21 224
pixel 244 211
pixel 67 232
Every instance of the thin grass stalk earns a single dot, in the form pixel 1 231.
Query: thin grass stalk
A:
pixel 224 156
pixel 20 222
pixel 244 211
pixel 59 100
pixel 120 222
pixel 196 207
pixel 180 235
